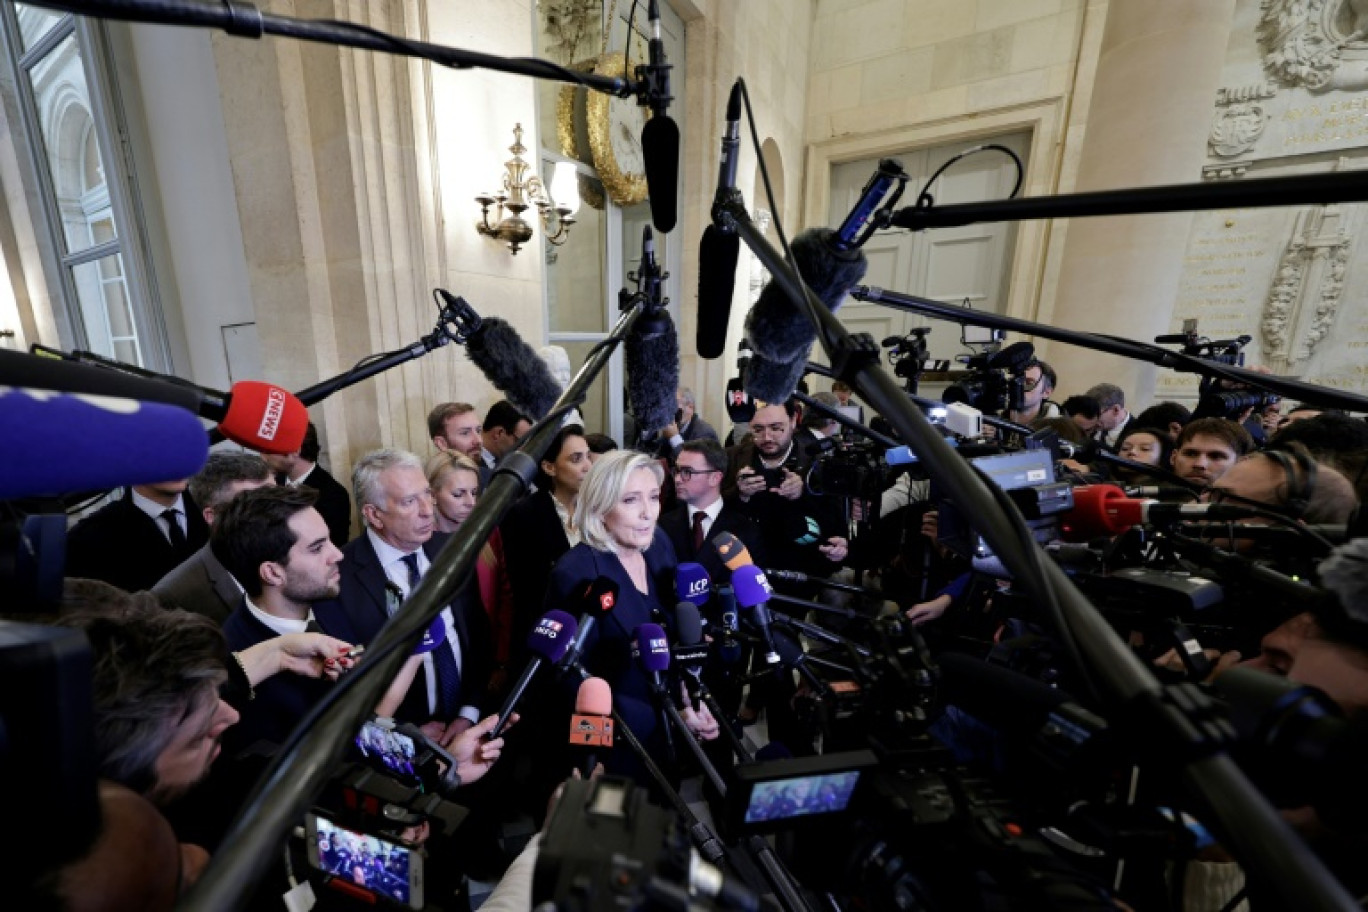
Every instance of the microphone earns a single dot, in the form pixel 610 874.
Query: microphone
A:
pixel 591 727
pixel 508 362
pixel 753 592
pixel 651 351
pixel 690 653
pixel 597 596
pixel 780 333
pixel 734 554
pixel 889 172
pixel 258 415
pixel 1100 510
pixel 652 649
pixel 660 135
pixel 549 641
pixel 729 650
pixel 1166 493
pixel 692 584
pixel 720 246
pixel 139 443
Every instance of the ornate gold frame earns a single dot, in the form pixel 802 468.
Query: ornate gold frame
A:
pixel 624 189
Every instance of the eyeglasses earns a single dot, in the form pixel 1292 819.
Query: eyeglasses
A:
pixel 687 473
pixel 1029 385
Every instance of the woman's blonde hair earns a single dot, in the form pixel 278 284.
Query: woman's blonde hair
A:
pixel 446 461
pixel 602 489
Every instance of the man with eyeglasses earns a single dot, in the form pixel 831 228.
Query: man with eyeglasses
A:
pixel 1038 383
pixel 702 513
pixel 1113 418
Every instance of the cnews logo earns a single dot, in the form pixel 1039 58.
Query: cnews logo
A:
pixel 275 408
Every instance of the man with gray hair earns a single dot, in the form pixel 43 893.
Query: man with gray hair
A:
pixel 688 425
pixel 201 584
pixel 1112 421
pixel 384 565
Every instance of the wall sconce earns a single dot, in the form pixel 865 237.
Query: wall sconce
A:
pixel 520 192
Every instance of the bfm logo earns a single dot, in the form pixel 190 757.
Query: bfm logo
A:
pixel 275 407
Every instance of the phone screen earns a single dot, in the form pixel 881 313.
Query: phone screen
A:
pixel 382 867
pixel 395 751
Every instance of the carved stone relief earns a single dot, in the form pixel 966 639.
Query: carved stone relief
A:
pixel 1308 285
pixel 1318 45
pixel 1237 128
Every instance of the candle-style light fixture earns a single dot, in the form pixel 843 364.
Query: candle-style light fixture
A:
pixel 523 189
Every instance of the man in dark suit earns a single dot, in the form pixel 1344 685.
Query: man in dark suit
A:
pixel 503 426
pixel 201 584
pixel 688 425
pixel 702 513
pixel 134 541
pixel 301 468
pixel 381 569
pixel 276 544
pixel 1113 419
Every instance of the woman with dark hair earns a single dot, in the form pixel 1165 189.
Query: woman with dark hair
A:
pixel 540 528
pixel 1149 446
pixel 616 515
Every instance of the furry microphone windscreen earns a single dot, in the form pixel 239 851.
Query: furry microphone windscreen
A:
pixel 653 373
pixel 513 367
pixel 780 332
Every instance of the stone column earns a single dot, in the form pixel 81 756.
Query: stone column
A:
pixel 1152 103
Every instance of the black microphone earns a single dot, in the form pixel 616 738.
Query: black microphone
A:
pixel 720 247
pixel 729 649
pixel 597 596
pixel 651 350
pixel 509 363
pixel 848 236
pixel 780 332
pixel 548 642
pixel 690 653
pixel 660 135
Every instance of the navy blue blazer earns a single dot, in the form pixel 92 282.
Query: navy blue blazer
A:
pixel 608 648
pixel 280 701
pixel 730 518
pixel 359 611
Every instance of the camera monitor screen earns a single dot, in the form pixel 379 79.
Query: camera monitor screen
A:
pixel 784 799
pixel 382 867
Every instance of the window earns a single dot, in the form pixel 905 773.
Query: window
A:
pixel 73 123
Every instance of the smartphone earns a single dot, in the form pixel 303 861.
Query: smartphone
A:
pixel 393 750
pixel 376 865
pixel 773 477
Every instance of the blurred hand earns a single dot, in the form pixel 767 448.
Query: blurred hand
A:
pixel 835 549
pixel 928 611
pixel 749 483
pixel 701 723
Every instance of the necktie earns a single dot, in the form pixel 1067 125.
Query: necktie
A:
pixel 443 660
pixel 174 532
pixel 698 518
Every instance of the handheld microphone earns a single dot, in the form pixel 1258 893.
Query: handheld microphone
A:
pixel 597 596
pixel 548 642
pixel 652 649
pixel 1100 510
pixel 508 362
pixel 734 554
pixel 729 650
pixel 139 443
pixel 660 135
pixel 780 333
pixel 753 592
pixel 591 727
pixel 651 352
pixel 690 653
pixel 720 247
pixel 258 415
pixel 692 583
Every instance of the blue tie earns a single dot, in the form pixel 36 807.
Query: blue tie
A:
pixel 443 661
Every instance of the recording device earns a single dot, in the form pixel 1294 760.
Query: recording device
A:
pixel 690 654
pixel 596 597
pixel 1219 398
pixel 402 751
pixel 781 794
pixel 365 866
pixel 753 592
pixel 660 135
pixel 908 355
pixel 506 361
pixel 692 583
pixel 610 848
pixel 996 381
pixel 549 642
pixel 869 211
pixel 651 350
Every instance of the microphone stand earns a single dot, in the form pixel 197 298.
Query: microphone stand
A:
pixel 1117 345
pixel 302 766
pixel 820 633
pixel 849 614
pixel 1280 865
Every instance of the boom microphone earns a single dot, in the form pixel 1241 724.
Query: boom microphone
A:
pixel 139 443
pixel 1101 510
pixel 651 351
pixel 591 727
pixel 720 246
pixel 258 415
pixel 549 641
pixel 780 332
pixel 660 135
pixel 509 363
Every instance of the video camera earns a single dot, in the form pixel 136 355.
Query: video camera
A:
pixel 1219 398
pixel 996 382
